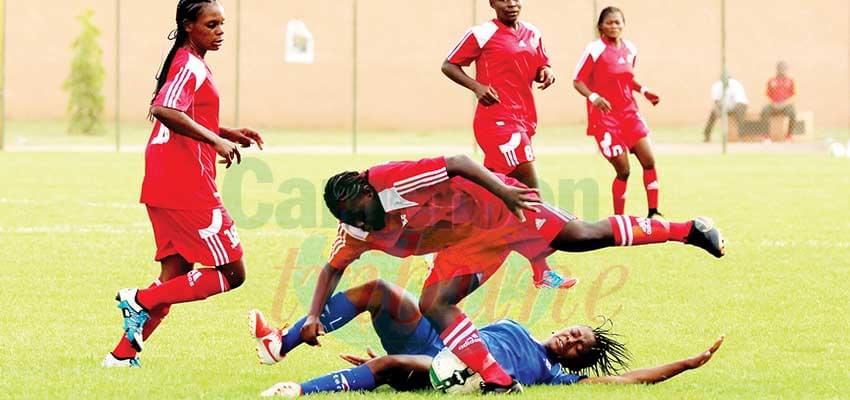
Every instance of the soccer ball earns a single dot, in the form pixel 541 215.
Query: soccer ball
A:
pixel 450 375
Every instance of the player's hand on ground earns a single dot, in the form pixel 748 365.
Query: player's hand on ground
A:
pixel 246 137
pixel 602 104
pixel 518 199
pixel 358 360
pixel 311 330
pixel 652 97
pixel 228 151
pixel 700 359
pixel 545 77
pixel 486 95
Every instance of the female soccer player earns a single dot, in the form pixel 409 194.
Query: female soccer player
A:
pixel 567 357
pixel 459 210
pixel 189 221
pixel 509 57
pixel 605 76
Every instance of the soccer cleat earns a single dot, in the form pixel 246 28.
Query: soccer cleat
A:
pixel 554 280
pixel 269 340
pixel 706 236
pixel 110 361
pixel 494 388
pixel 134 317
pixel 655 215
pixel 284 389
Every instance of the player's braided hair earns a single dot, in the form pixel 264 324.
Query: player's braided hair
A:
pixel 607 357
pixel 343 187
pixel 604 14
pixel 187 11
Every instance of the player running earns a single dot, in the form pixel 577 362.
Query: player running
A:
pixel 605 75
pixel 410 341
pixel 462 212
pixel 189 221
pixel 509 57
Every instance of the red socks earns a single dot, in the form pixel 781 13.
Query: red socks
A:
pixel 650 182
pixel 463 340
pixel 633 231
pixel 198 284
pixel 618 192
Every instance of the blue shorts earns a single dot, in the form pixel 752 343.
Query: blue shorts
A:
pixel 424 340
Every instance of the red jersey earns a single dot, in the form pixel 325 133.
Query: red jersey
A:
pixel 426 211
pixel 180 171
pixel 609 72
pixel 508 60
pixel 780 88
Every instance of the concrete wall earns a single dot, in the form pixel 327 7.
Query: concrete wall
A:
pixel 400 45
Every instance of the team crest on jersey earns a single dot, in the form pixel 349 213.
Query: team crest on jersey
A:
pixel 645 225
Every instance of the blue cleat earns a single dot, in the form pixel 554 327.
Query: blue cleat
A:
pixel 554 280
pixel 111 361
pixel 134 317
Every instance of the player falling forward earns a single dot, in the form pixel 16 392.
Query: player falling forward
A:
pixel 462 212
pixel 189 221
pixel 509 57
pixel 565 358
pixel 605 76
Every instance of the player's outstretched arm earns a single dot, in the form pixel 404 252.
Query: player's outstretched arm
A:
pixel 660 373
pixel 326 284
pixel 515 198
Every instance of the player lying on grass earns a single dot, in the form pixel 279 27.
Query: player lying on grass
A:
pixel 411 342
pixel 468 216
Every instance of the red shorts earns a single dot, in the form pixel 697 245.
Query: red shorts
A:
pixel 207 236
pixel 505 145
pixel 617 134
pixel 484 253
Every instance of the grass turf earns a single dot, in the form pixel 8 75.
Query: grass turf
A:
pixel 72 233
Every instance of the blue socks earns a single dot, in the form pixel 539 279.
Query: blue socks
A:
pixel 338 311
pixel 353 379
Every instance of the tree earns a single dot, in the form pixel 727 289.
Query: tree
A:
pixel 85 82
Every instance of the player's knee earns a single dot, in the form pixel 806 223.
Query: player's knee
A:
pixel 431 307
pixel 623 173
pixel 235 276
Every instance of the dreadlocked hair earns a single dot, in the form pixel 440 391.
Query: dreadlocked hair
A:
pixel 609 356
pixel 187 11
pixel 343 187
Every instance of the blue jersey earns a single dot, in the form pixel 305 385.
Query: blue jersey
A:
pixel 523 357
pixel 512 346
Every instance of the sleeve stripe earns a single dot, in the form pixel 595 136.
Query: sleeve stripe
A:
pixel 402 184
pixel 459 45
pixel 170 92
pixel 424 183
pixel 339 245
pixel 581 62
pixel 177 87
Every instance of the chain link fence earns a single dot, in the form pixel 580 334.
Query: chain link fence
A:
pixel 374 80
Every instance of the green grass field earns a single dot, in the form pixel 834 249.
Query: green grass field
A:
pixel 71 233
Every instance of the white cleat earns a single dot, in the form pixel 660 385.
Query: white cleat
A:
pixel 111 362
pixel 284 389
pixel 269 340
